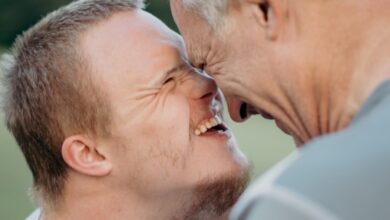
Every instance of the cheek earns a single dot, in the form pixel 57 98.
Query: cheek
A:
pixel 159 143
pixel 168 144
pixel 165 134
pixel 174 117
pixel 240 77
pixel 173 131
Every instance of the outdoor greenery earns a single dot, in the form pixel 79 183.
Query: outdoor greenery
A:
pixel 17 15
pixel 263 143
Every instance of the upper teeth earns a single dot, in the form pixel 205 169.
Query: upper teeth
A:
pixel 207 124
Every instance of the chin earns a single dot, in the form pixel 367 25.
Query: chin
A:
pixel 232 165
pixel 216 195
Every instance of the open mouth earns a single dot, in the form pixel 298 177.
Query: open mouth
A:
pixel 244 111
pixel 219 127
pixel 213 124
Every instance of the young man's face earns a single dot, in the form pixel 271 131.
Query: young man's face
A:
pixel 161 107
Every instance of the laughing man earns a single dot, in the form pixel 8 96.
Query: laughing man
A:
pixel 113 121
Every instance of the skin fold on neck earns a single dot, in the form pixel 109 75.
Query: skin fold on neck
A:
pixel 338 84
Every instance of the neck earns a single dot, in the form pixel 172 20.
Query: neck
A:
pixel 327 99
pixel 346 88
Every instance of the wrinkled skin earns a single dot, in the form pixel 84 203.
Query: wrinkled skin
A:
pixel 292 61
pixel 158 100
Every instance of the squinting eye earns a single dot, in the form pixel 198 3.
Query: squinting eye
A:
pixel 170 79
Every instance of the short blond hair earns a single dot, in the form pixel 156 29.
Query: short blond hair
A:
pixel 49 92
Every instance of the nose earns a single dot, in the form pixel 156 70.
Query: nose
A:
pixel 238 110
pixel 202 87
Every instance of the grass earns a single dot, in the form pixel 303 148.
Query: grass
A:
pixel 15 179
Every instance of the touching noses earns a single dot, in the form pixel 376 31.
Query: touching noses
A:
pixel 238 110
pixel 202 87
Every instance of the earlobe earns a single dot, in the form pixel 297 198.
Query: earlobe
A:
pixel 80 153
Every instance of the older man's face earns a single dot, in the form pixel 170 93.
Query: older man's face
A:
pixel 258 68
pixel 239 58
pixel 167 133
pixel 281 60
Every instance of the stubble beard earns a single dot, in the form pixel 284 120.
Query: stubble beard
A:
pixel 214 197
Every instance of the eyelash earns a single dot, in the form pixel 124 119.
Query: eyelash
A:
pixel 168 80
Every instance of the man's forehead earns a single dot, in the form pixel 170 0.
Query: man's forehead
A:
pixel 132 42
pixel 134 25
pixel 127 30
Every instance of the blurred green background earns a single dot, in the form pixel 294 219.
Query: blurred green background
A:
pixel 260 140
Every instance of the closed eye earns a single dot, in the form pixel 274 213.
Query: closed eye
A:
pixel 170 79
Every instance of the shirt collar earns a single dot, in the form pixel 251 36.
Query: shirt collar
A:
pixel 375 99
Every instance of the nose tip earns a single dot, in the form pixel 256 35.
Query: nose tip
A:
pixel 238 110
pixel 207 88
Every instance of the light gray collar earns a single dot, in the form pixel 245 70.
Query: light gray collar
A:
pixel 381 93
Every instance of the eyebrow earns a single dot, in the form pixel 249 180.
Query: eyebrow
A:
pixel 179 67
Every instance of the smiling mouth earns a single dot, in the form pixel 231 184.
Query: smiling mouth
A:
pixel 214 124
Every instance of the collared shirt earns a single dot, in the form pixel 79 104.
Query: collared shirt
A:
pixel 338 176
pixel 35 215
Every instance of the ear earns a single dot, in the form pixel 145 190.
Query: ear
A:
pixel 270 15
pixel 83 156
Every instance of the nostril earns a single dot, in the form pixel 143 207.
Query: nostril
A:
pixel 244 111
pixel 207 95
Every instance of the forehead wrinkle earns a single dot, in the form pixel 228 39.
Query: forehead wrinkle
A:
pixel 182 66
pixel 198 52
